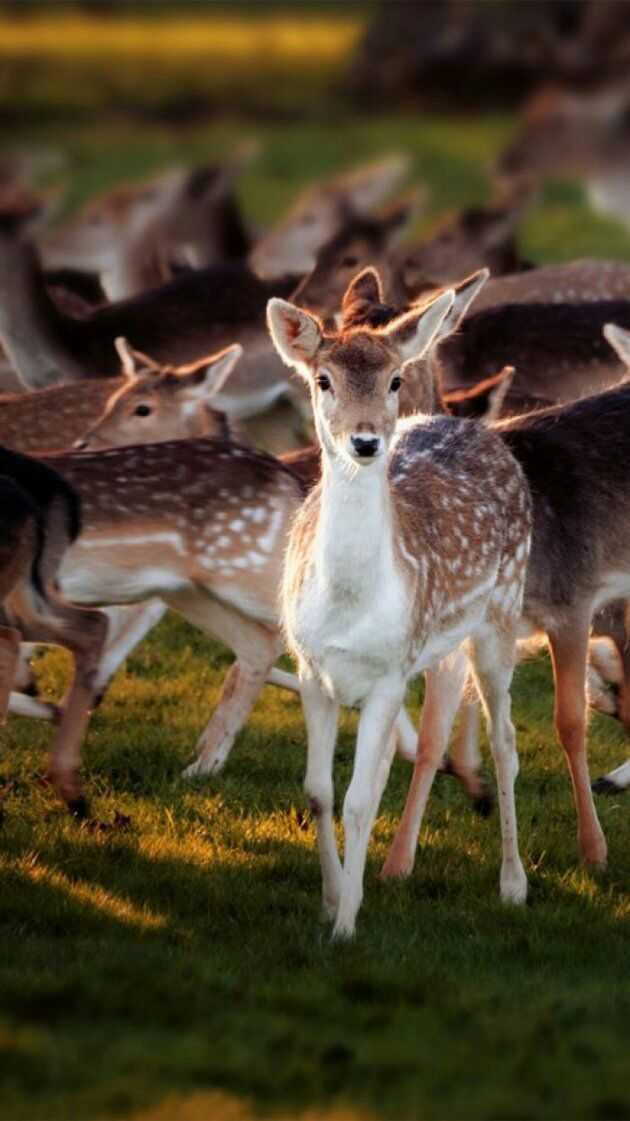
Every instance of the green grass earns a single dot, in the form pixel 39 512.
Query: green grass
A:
pixel 184 955
pixel 178 968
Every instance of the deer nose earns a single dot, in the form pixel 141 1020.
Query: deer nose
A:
pixel 365 447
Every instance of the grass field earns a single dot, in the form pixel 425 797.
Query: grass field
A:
pixel 175 966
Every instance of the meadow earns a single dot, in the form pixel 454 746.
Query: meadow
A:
pixel 171 963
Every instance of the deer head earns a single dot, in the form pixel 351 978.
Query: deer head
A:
pixel 159 403
pixel 318 214
pixel 355 377
pixel 360 242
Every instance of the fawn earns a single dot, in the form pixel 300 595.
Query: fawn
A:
pixel 415 540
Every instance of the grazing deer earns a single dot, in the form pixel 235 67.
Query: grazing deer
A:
pixel 320 212
pixel 415 540
pixel 131 235
pixel 40 521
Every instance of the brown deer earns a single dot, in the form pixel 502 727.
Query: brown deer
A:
pixel 161 402
pixel 131 235
pixel 321 211
pixel 41 520
pixel 577 132
pixel 416 539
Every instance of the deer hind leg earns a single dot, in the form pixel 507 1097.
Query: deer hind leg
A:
pixel 9 660
pixel 376 744
pixel 256 648
pixel 83 632
pixel 464 759
pixel 569 650
pixel 321 716
pixel 492 658
pixel 443 691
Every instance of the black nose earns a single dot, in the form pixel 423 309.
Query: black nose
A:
pixel 365 448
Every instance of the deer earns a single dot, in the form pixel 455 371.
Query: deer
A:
pixel 415 541
pixel 41 519
pixel 579 565
pixel 132 235
pixel 573 132
pixel 320 212
pixel 149 402
pixel 90 477
pixel 559 350
pixel 164 401
pixel 476 238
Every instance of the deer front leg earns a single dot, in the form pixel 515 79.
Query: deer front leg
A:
pixel 569 651
pixel 321 715
pixel 493 656
pixel 443 691
pixel 374 753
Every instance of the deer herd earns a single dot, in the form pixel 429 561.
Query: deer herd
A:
pixel 465 490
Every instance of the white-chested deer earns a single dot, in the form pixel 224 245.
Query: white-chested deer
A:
pixel 416 540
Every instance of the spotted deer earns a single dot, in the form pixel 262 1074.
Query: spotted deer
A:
pixel 164 402
pixel 415 540
pixel 41 520
pixel 148 403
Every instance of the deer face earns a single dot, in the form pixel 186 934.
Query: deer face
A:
pixel 362 242
pixel 355 376
pixel 320 212
pixel 163 403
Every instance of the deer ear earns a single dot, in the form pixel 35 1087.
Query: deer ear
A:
pixel 464 294
pixel 296 334
pixel 619 340
pixel 126 356
pixel 204 379
pixel 365 288
pixel 413 333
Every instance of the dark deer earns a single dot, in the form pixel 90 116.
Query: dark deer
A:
pixel 41 520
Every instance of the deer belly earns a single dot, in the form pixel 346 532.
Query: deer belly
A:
pixel 96 580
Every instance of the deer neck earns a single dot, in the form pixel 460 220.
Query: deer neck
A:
pixel 354 543
pixel 30 324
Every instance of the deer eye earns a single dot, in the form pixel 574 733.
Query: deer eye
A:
pixel 395 384
pixel 349 262
pixel 142 410
pixel 323 382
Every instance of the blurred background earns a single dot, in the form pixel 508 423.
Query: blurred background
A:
pixel 100 92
